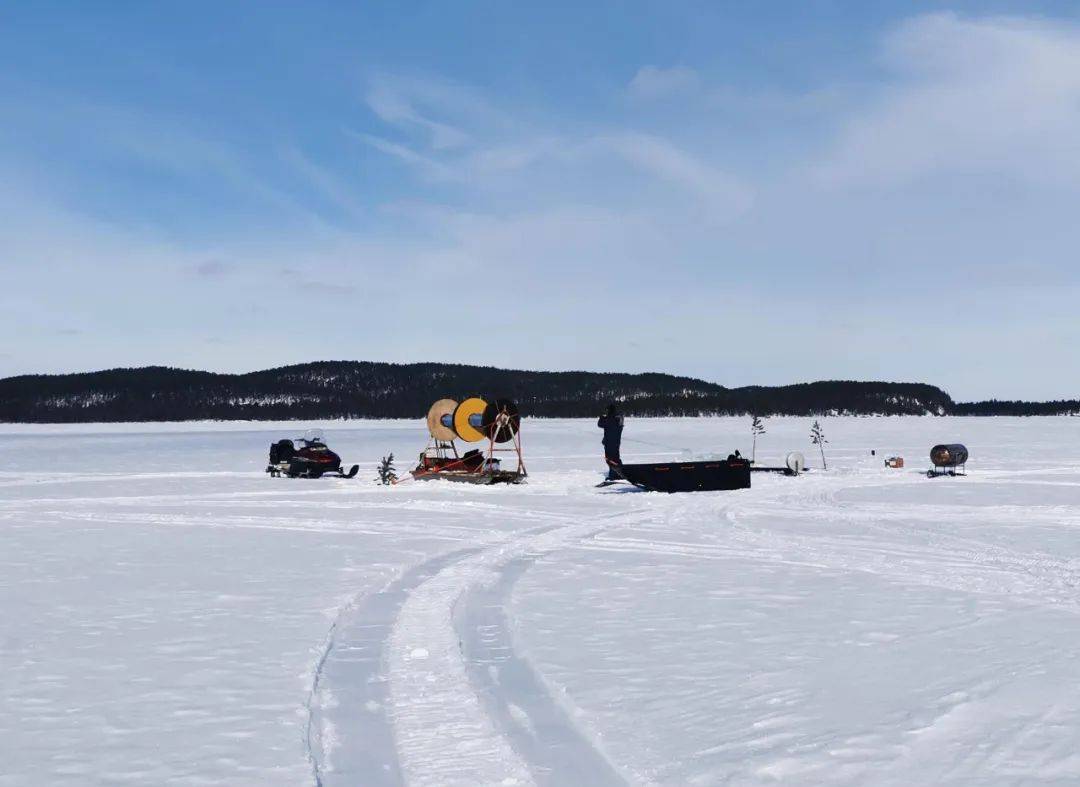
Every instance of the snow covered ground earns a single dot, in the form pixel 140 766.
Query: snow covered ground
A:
pixel 171 615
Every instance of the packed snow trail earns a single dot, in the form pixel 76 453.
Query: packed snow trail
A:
pixel 354 709
pixel 539 727
pixel 444 733
pixel 422 629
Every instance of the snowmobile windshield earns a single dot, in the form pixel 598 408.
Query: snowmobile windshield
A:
pixel 314 436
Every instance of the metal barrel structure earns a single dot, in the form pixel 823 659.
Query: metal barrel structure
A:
pixel 948 455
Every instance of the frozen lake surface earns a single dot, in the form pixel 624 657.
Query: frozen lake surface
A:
pixel 171 615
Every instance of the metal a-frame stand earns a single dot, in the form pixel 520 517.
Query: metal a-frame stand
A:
pixel 503 421
pixel 441 449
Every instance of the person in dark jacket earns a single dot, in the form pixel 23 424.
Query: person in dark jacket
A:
pixel 612 424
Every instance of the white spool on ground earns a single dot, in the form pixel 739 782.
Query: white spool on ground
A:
pixel 795 462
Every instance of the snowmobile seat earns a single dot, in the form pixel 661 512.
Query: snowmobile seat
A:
pixel 282 451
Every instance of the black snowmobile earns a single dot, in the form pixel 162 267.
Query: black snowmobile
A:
pixel 311 460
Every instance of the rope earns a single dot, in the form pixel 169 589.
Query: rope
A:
pixel 657 445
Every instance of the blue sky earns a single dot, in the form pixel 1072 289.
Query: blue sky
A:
pixel 751 193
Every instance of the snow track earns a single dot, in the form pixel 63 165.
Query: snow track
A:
pixel 540 728
pixel 409 668
pixel 445 734
pixel 354 709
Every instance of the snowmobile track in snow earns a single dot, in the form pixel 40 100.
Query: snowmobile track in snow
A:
pixel 352 664
pixel 403 692
pixel 538 728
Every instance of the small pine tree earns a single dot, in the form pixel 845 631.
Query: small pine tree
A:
pixel 386 471
pixel 817 437
pixel 757 426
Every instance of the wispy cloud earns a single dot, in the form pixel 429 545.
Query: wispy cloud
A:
pixel 118 137
pixel 990 96
pixel 415 103
pixel 326 182
pixel 420 162
pixel 652 82
pixel 545 162
pixel 723 195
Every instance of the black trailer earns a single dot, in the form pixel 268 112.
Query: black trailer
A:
pixel 706 476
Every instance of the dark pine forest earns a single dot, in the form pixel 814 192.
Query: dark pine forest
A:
pixel 358 389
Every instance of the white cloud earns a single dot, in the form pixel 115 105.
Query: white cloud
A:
pixel 723 195
pixel 995 96
pixel 326 182
pixel 547 167
pixel 652 82
pixel 165 144
pixel 423 163
pixel 439 109
pixel 518 155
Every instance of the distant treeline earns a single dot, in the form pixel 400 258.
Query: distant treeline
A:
pixel 358 389
pixel 997 407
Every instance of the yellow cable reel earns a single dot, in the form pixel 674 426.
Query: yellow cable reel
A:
pixel 468 419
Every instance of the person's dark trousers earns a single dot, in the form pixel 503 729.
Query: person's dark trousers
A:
pixel 611 454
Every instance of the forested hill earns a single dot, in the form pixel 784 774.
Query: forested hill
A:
pixel 1013 407
pixel 355 389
